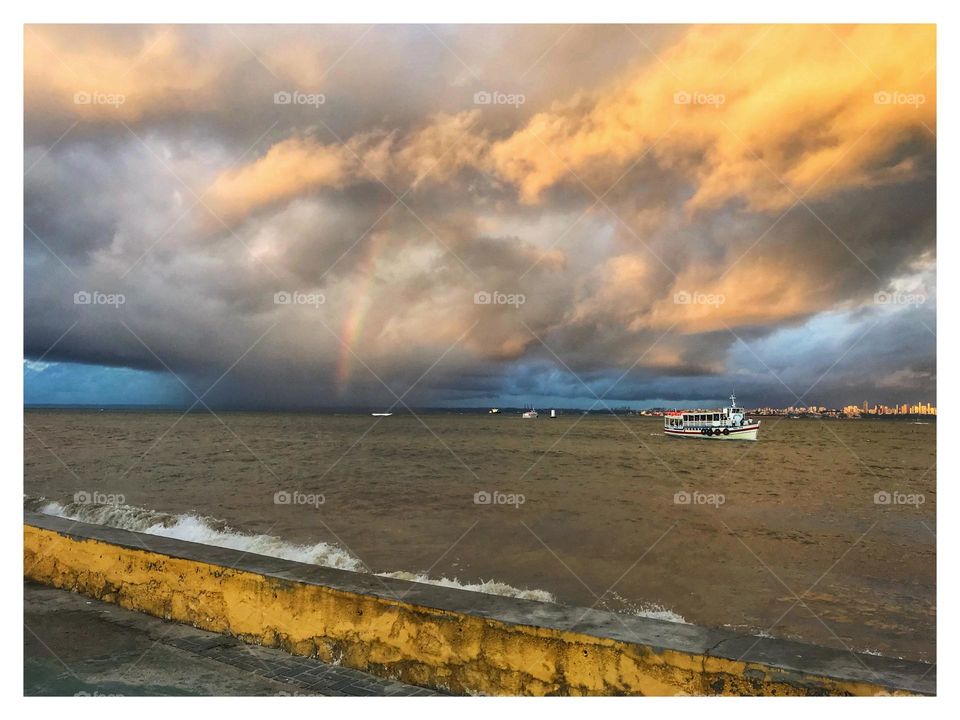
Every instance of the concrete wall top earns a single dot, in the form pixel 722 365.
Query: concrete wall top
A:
pixel 801 658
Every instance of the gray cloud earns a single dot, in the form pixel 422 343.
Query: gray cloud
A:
pixel 108 209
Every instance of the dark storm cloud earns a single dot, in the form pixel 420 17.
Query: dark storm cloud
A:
pixel 586 214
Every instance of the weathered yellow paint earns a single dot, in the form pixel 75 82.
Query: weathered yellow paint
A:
pixel 455 652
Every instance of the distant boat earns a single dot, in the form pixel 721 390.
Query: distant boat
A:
pixel 381 414
pixel 530 414
pixel 494 411
pixel 553 413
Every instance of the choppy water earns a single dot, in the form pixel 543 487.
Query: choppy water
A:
pixel 603 519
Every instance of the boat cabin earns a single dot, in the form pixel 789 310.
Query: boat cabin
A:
pixel 698 419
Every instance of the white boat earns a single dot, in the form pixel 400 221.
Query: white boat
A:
pixel 728 423
pixel 381 414
pixel 553 413
pixel 530 414
pixel 494 411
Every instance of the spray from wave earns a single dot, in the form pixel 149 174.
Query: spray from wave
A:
pixel 211 531
pixel 647 610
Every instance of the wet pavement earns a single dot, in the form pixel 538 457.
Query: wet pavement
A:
pixel 75 646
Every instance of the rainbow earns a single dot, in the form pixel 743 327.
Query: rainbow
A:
pixel 359 305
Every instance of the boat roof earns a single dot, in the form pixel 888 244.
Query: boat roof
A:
pixel 675 413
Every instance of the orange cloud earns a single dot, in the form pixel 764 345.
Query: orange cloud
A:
pixel 755 292
pixel 297 165
pixel 764 114
pixel 288 168
pixel 112 72
pixel 74 71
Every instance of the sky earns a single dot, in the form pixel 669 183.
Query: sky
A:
pixel 578 216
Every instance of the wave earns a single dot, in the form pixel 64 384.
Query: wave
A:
pixel 658 612
pixel 654 611
pixel 490 587
pixel 212 531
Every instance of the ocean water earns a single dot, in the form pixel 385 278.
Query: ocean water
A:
pixel 823 531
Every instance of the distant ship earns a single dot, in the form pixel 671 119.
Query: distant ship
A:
pixel 381 414
pixel 494 411
pixel 530 414
pixel 728 423
pixel 553 413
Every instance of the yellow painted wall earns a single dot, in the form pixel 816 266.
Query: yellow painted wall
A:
pixel 433 648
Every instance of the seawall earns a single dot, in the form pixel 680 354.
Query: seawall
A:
pixel 444 638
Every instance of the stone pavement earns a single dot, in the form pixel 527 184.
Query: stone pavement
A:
pixel 77 646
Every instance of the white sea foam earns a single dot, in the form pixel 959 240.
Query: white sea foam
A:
pixel 648 610
pixel 211 531
pixel 201 529
pixel 658 612
pixel 491 587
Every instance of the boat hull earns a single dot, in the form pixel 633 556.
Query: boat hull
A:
pixel 747 432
